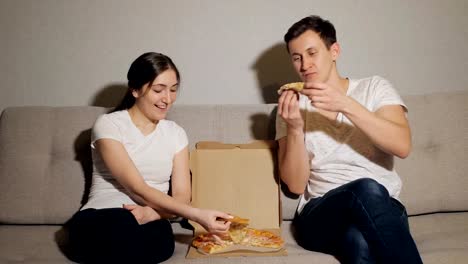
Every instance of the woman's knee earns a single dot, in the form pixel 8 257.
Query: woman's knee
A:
pixel 167 241
pixel 159 240
pixel 167 251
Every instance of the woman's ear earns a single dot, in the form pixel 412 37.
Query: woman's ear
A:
pixel 135 93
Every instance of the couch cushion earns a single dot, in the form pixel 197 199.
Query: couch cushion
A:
pixel 442 237
pixel 296 254
pixel 435 175
pixel 36 244
pixel 30 244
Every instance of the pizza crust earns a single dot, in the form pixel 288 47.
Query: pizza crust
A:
pixel 239 220
pixel 240 247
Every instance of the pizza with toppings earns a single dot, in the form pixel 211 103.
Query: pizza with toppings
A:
pixel 262 238
pixel 239 237
pixel 211 244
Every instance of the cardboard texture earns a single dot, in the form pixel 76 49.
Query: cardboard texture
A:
pixel 240 180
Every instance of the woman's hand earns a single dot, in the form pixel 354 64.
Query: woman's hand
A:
pixel 143 214
pixel 209 219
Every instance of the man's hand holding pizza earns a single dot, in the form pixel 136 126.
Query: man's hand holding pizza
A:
pixel 288 109
pixel 326 97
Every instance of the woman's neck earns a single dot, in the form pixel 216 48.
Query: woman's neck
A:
pixel 144 124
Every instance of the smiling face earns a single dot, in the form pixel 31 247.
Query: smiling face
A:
pixel 155 98
pixel 311 58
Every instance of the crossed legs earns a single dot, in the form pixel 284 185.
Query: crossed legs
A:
pixel 358 223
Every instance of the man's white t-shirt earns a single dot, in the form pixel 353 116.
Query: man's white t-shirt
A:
pixel 339 152
pixel 152 155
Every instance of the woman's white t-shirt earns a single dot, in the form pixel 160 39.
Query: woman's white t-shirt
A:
pixel 339 152
pixel 152 155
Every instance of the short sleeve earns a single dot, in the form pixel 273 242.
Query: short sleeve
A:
pixel 385 94
pixel 105 128
pixel 181 140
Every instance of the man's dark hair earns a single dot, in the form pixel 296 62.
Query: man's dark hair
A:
pixel 322 27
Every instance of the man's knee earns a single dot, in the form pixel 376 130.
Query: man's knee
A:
pixel 354 247
pixel 369 188
pixel 353 238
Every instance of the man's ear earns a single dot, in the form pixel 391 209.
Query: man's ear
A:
pixel 335 50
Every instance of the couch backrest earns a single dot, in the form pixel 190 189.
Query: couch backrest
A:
pixel 44 160
pixel 435 175
pixel 45 163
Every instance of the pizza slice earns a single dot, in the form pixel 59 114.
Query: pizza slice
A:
pixel 297 86
pixel 237 232
pixel 262 238
pixel 211 244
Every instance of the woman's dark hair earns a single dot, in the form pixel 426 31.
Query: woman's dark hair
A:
pixel 144 70
pixel 322 27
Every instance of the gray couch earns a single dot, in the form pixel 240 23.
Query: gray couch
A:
pixel 45 170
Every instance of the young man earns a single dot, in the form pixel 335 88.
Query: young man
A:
pixel 337 139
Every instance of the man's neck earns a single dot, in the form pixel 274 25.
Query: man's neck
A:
pixel 339 82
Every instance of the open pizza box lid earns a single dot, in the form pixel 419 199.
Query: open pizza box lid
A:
pixel 239 179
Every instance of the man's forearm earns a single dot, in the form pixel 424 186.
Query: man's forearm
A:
pixel 391 137
pixel 294 163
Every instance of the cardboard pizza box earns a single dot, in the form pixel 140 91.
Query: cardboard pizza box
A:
pixel 240 179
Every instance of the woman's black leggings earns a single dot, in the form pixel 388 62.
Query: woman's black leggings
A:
pixel 113 235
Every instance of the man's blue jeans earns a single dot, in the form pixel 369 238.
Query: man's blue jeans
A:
pixel 358 223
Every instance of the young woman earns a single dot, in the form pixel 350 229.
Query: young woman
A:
pixel 137 157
